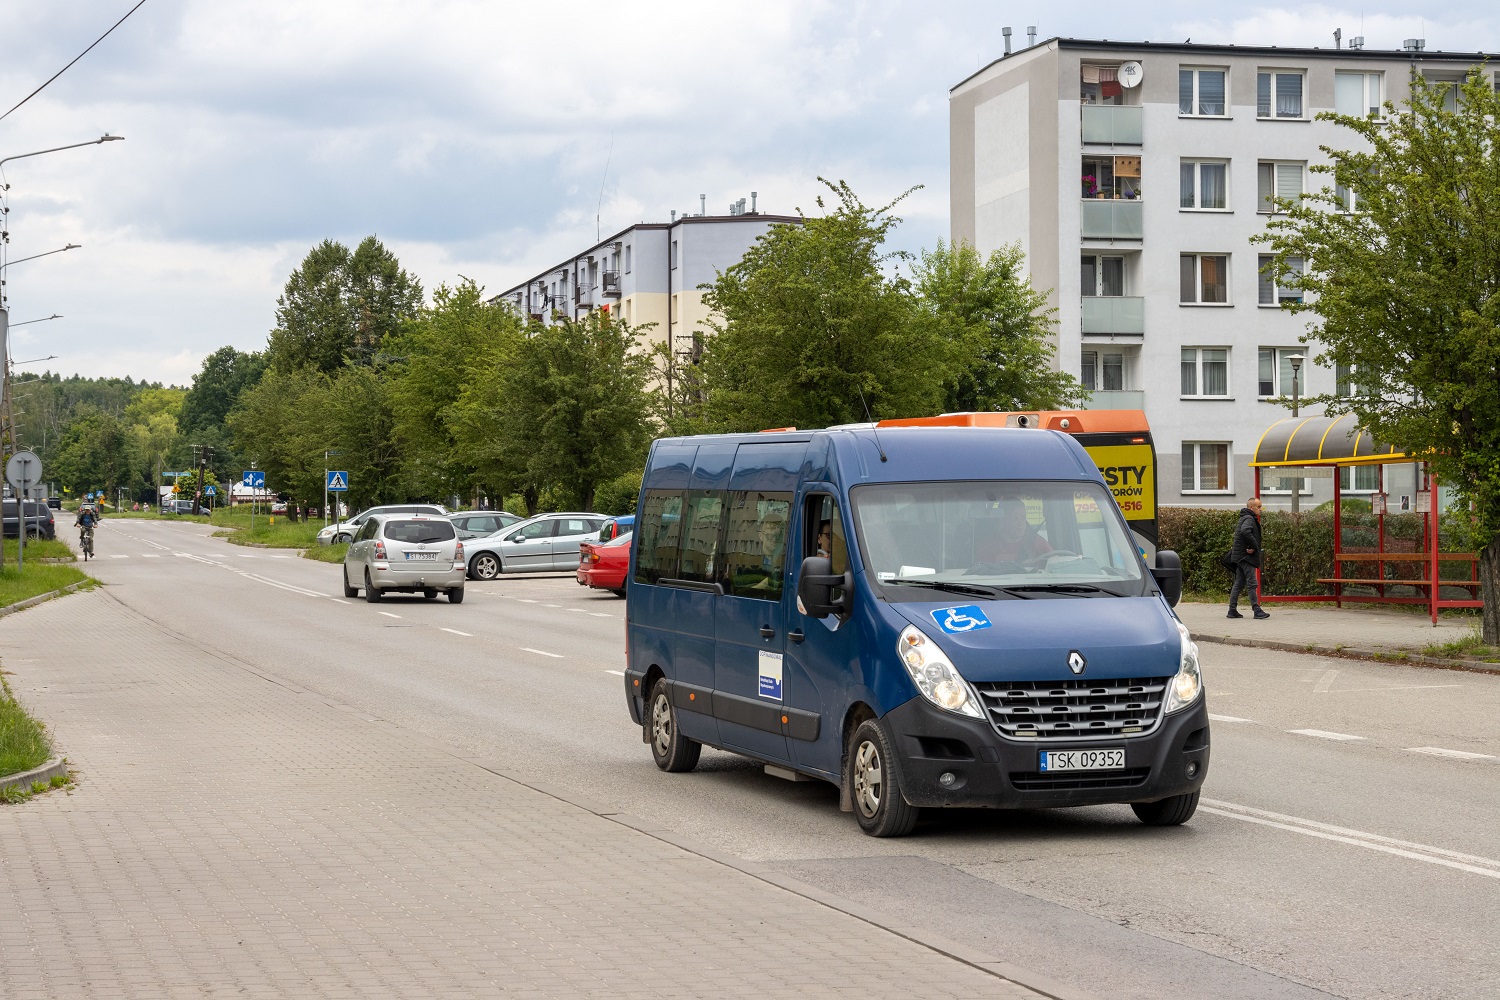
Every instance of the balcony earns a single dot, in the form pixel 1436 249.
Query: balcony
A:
pixel 1114 314
pixel 1112 219
pixel 1116 399
pixel 612 283
pixel 1112 124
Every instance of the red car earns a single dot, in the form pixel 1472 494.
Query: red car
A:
pixel 604 565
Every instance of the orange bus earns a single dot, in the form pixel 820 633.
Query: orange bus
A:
pixel 1119 442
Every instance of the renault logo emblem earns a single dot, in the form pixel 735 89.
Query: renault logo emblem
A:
pixel 1076 662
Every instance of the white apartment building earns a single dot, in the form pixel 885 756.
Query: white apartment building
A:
pixel 1134 175
pixel 648 273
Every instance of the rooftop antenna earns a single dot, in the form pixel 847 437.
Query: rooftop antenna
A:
pixel 873 432
pixel 1338 38
pixel 598 229
pixel 1006 33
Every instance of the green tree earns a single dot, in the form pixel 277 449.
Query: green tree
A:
pixel 997 328
pixel 338 306
pixel 1405 289
pixel 279 424
pixel 216 388
pixel 151 422
pixel 95 452
pixel 809 320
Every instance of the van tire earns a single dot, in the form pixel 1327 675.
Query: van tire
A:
pixel 874 780
pixel 348 590
pixel 372 592
pixel 1172 811
pixel 673 751
pixel 456 595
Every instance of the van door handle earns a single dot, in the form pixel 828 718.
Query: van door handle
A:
pixel 796 635
pixel 767 632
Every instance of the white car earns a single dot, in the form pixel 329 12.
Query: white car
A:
pixel 405 553
pixel 346 530
pixel 547 543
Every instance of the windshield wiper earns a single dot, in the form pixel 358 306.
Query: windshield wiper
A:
pixel 955 588
pixel 1060 588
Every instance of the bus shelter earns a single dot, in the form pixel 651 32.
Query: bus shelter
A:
pixel 1296 443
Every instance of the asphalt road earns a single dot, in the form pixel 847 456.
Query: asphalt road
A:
pixel 1347 844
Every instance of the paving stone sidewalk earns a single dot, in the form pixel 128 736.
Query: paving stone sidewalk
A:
pixel 1327 629
pixel 232 835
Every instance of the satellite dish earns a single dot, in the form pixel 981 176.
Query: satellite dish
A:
pixel 1131 74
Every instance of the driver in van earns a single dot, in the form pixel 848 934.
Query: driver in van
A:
pixel 1011 538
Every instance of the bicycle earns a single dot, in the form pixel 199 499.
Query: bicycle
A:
pixel 86 542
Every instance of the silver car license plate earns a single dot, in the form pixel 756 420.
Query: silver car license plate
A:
pixel 1083 760
pixel 428 556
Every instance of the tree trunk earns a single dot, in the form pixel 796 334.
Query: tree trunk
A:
pixel 1489 590
pixel 531 495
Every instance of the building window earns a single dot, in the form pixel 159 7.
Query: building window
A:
pixel 1366 479
pixel 1357 94
pixel 1102 372
pixel 1205 372
pixel 1111 177
pixel 1272 291
pixel 1275 377
pixel 1277 182
pixel 1200 93
pixel 1205 467
pixel 1205 184
pixel 1101 85
pixel 1278 94
pixel 627 258
pixel 1205 279
pixel 674 253
pixel 1102 275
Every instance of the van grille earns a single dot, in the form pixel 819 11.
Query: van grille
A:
pixel 1075 708
pixel 1040 781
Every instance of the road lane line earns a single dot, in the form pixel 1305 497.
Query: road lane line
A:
pixel 525 600
pixel 551 605
pixel 245 555
pixel 1325 682
pixel 117 556
pixel 1227 718
pixel 542 652
pixel 1456 754
pixel 617 673
pixel 466 635
pixel 387 614
pixel 599 614
pixel 340 600
pixel 1323 734
pixel 151 555
pixel 1471 863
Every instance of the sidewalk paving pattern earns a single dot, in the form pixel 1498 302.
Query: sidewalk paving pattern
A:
pixel 231 834
pixel 1327 629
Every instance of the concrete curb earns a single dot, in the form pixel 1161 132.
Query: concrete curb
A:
pixel 960 953
pixel 1355 653
pixel 11 609
pixel 48 771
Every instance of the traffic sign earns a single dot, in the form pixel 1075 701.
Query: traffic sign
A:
pixel 253 478
pixel 24 470
pixel 210 490
pixel 338 482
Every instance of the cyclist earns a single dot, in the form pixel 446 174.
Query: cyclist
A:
pixel 85 522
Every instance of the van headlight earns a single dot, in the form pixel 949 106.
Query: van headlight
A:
pixel 934 675
pixel 1188 684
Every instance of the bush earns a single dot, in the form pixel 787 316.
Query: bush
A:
pixel 619 495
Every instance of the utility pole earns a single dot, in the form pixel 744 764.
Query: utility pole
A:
pixel 1296 362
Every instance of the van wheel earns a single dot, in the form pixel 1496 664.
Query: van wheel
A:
pixel 348 590
pixel 1173 811
pixel 456 595
pixel 875 783
pixel 672 750
pixel 372 592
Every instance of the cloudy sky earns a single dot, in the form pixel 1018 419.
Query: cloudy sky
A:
pixel 472 135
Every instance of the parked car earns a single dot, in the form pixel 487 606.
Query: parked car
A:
pixel 605 565
pixel 405 553
pixel 180 507
pixel 617 526
pixel 39 522
pixel 344 531
pixel 546 543
pixel 478 523
pixel 55 503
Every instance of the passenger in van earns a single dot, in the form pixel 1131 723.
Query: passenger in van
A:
pixel 1011 538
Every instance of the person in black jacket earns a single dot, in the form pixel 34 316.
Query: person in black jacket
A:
pixel 1246 556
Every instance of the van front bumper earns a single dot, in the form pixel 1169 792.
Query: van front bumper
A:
pixel 990 772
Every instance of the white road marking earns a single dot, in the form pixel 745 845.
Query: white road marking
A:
pixel 541 652
pixel 1323 734
pixel 151 555
pixel 1325 682
pixel 617 673
pixel 524 600
pixel 600 614
pixel 1473 864
pixel 118 556
pixel 1227 718
pixel 340 600
pixel 387 614
pixel 551 605
pixel 1457 754
pixel 466 635
pixel 245 555
pixel 1400 687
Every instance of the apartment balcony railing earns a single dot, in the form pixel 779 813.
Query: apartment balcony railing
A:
pixel 1116 399
pixel 611 282
pixel 1112 219
pixel 1112 124
pixel 1114 314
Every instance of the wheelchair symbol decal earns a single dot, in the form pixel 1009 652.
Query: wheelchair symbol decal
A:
pixel 967 618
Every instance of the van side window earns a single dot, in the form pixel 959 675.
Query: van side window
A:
pixel 660 543
pixel 824 531
pixel 367 530
pixel 755 550
pixel 700 548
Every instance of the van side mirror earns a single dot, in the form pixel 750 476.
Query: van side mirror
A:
pixel 816 582
pixel 1168 573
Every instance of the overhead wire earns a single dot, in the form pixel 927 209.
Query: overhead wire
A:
pixel 80 55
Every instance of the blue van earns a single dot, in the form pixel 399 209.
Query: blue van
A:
pixel 924 617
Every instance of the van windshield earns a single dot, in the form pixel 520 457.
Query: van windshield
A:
pixel 1016 539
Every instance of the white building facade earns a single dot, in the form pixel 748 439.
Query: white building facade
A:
pixel 1134 176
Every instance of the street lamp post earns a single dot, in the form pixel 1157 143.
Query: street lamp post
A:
pixel 326 454
pixel 1296 362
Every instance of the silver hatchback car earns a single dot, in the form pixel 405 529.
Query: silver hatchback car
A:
pixel 405 553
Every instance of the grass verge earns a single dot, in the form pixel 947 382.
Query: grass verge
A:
pixel 154 515
pixel 1470 647
pixel 36 578
pixel 39 548
pixel 326 553
pixel 278 532
pixel 24 742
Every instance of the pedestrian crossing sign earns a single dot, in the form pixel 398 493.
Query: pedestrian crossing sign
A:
pixel 338 482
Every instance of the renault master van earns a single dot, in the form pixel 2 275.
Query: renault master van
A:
pixel 924 617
